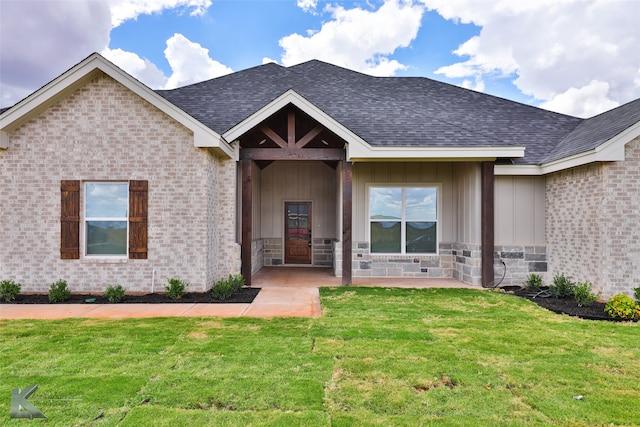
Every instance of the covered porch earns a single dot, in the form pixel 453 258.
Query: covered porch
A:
pixel 304 199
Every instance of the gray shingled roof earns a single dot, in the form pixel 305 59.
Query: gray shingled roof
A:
pixel 597 130
pixel 394 111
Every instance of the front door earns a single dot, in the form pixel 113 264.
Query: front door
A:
pixel 297 237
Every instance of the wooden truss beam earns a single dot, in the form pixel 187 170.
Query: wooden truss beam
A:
pixel 292 154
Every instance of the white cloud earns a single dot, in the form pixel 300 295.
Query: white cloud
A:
pixel 586 101
pixel 358 39
pixel 123 10
pixel 559 52
pixel 140 68
pixel 190 62
pixel 41 39
pixel 307 5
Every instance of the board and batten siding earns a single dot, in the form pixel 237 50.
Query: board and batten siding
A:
pixel 520 210
pixel 282 181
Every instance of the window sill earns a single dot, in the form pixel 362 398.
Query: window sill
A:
pixel 105 260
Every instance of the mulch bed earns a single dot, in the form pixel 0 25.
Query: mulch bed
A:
pixel 244 296
pixel 568 306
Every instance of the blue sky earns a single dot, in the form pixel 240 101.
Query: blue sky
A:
pixel 578 57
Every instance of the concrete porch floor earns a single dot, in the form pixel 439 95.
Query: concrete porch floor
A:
pixel 315 277
pixel 286 292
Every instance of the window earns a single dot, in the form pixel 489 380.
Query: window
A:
pixel 403 220
pixel 106 218
pixel 100 208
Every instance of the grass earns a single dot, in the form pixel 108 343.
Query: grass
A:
pixel 378 357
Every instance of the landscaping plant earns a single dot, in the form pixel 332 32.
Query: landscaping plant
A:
pixel 533 282
pixel 114 294
pixel 9 290
pixel 59 291
pixel 621 306
pixel 583 294
pixel 225 288
pixel 562 286
pixel 176 288
pixel 636 294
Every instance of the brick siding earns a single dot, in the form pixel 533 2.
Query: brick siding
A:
pixel 103 131
pixel 593 213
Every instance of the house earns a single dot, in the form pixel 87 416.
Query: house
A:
pixel 105 181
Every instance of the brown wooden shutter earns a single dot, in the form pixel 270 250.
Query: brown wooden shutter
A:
pixel 70 219
pixel 138 212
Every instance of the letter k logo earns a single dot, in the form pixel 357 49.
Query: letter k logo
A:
pixel 20 406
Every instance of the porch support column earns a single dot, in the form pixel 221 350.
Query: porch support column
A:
pixel 487 223
pixel 346 222
pixel 247 211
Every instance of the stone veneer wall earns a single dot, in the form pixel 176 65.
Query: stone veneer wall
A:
pixel 257 255
pixel 593 213
pixel 104 132
pixel 273 252
pixel 365 264
pixel 322 252
pixel 520 261
pixel 270 252
pixel 467 263
pixel 460 261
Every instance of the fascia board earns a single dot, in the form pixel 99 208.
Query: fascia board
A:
pixel 369 153
pixel 87 70
pixel 292 97
pixel 517 170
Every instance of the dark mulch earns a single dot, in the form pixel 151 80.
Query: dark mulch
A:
pixel 568 305
pixel 244 296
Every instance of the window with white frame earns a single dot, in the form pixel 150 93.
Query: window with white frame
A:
pixel 106 218
pixel 403 220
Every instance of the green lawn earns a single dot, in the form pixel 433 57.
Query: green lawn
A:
pixel 382 357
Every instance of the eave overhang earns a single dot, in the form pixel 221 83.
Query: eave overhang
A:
pixel 610 151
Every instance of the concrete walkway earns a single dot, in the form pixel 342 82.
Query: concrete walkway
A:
pixel 286 292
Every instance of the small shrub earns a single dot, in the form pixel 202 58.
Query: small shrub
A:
pixel 562 286
pixel 59 291
pixel 621 306
pixel 636 294
pixel 9 290
pixel 114 294
pixel 533 282
pixel 225 288
pixel 176 288
pixel 583 294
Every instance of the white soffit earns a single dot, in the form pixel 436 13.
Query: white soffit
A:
pixel 84 72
